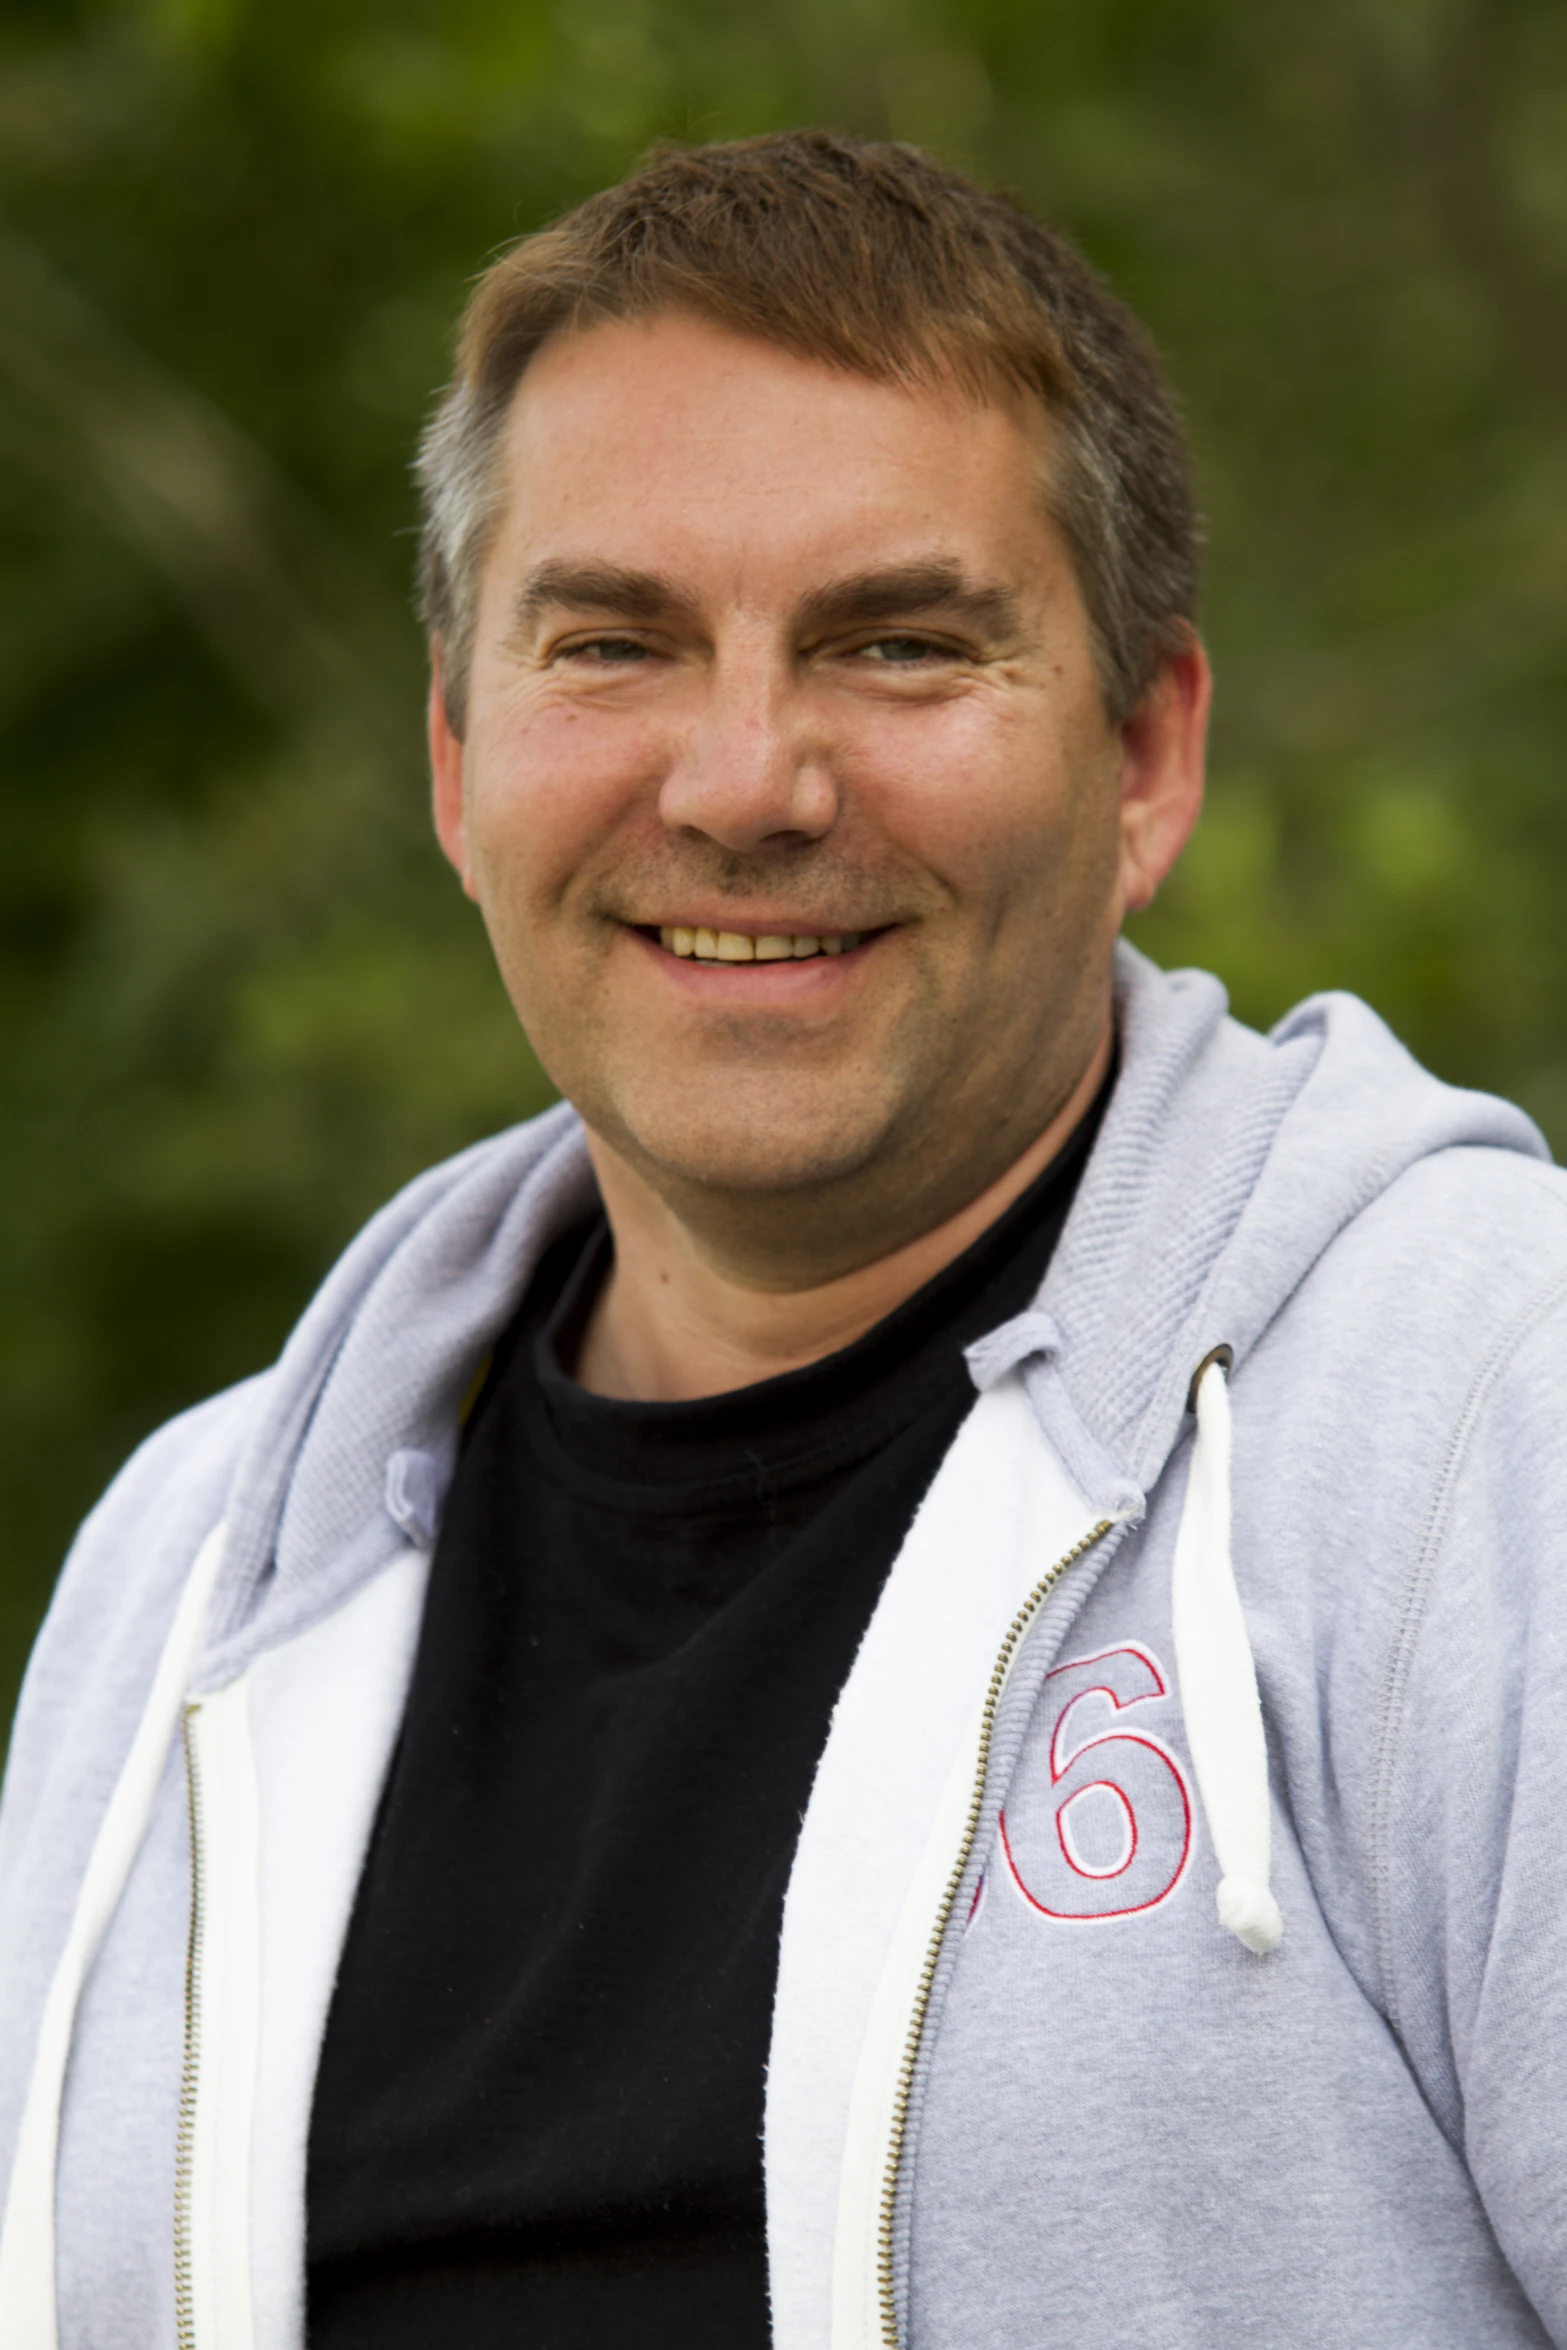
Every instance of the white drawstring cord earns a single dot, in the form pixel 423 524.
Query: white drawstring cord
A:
pixel 1218 1680
pixel 27 2282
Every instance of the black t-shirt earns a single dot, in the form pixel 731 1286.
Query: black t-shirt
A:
pixel 538 2114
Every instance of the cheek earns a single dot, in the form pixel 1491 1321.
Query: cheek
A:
pixel 996 804
pixel 550 791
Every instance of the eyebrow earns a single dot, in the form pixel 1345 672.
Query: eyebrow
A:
pixel 597 587
pixel 908 591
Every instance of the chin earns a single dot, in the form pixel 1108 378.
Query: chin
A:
pixel 749 1155
pixel 793 1166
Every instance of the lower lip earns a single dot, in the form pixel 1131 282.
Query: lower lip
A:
pixel 757 983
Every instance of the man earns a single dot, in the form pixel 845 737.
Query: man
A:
pixel 723 1793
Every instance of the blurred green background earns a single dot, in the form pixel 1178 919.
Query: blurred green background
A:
pixel 240 999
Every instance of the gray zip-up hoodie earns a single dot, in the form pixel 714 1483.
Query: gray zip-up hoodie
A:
pixel 1113 2010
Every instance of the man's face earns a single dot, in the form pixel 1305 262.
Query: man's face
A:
pixel 766 653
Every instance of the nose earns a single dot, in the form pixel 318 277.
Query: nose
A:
pixel 751 770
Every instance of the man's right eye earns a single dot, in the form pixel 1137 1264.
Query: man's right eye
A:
pixel 613 650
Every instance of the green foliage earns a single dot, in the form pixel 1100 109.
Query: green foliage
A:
pixel 239 998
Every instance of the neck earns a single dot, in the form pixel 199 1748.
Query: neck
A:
pixel 673 1323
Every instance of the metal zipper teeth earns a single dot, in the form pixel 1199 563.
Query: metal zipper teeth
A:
pixel 184 2148
pixel 900 2104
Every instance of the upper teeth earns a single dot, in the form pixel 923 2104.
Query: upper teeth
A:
pixel 737 946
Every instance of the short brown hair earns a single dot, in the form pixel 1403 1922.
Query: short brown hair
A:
pixel 868 256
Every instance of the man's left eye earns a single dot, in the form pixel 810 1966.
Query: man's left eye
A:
pixel 903 652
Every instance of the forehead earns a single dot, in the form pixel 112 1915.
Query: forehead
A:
pixel 724 450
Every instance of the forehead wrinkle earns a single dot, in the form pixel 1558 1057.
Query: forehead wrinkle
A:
pixel 905 591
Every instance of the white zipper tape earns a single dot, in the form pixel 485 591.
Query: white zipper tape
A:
pixel 222 2010
pixel 27 2280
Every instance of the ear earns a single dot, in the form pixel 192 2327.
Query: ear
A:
pixel 1163 754
pixel 446 762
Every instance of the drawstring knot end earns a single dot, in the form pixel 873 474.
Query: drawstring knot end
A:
pixel 1251 1914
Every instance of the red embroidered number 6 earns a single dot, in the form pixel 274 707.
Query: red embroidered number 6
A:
pixel 1111 1833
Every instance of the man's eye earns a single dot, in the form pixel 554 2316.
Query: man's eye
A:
pixel 904 652
pixel 620 651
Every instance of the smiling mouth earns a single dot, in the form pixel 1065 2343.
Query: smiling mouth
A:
pixel 743 946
